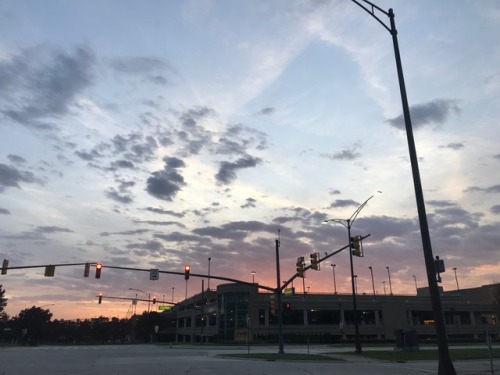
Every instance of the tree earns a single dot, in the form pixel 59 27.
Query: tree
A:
pixel 32 323
pixel 3 300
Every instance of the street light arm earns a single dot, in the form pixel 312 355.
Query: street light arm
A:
pixel 338 221
pixel 371 12
pixel 358 210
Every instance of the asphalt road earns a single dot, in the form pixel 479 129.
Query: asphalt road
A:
pixel 198 360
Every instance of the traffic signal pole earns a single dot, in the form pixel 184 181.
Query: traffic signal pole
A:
pixel 278 299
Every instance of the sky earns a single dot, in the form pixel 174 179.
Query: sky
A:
pixel 155 134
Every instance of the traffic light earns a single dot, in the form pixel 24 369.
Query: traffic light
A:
pixel 100 298
pixel 5 265
pixel 314 261
pixel 49 271
pixel 86 270
pixel 356 246
pixel 300 266
pixel 154 300
pixel 187 268
pixel 287 306
pixel 98 268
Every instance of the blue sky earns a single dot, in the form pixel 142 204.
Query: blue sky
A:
pixel 157 134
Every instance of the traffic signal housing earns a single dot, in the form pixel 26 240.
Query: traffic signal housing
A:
pixel 314 261
pixel 187 269
pixel 100 298
pixel 357 247
pixel 300 266
pixel 154 300
pixel 49 270
pixel 86 270
pixel 5 266
pixel 98 269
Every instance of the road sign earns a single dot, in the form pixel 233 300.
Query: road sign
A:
pixel 165 308
pixel 154 274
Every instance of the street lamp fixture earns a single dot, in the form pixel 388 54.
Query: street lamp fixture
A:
pixel 348 224
pixel 253 276
pixel 146 293
pixel 445 366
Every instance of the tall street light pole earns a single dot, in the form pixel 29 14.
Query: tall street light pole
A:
pixel 348 224
pixel 208 286
pixel 445 366
pixel 416 288
pixel 373 283
pixel 253 277
pixel 456 278
pixel 390 284
pixel 334 282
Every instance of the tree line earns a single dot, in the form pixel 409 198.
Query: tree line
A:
pixel 34 325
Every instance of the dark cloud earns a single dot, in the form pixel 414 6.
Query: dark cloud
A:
pixel 334 192
pixel 167 183
pixel 52 229
pixel 495 209
pixel 435 112
pixel 160 223
pixel 89 156
pixel 440 203
pixel 154 246
pixel 344 203
pixel 249 203
pixel 136 147
pixel 122 164
pixel 139 65
pixel 497 156
pixel 11 177
pixel 454 146
pixel 39 83
pixel 227 170
pixel 165 212
pixel 15 159
pixel 491 189
pixel 113 194
pixel 267 111
pixel 177 237
pixel 237 139
pixel 4 211
pixel 221 233
pixel 134 232
pixel 345 154
pixel 192 134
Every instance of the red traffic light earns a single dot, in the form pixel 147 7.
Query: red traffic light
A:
pixel 187 268
pixel 98 268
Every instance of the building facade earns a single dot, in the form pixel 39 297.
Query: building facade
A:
pixel 241 313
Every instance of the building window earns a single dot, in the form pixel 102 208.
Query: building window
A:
pixel 233 313
pixel 323 317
